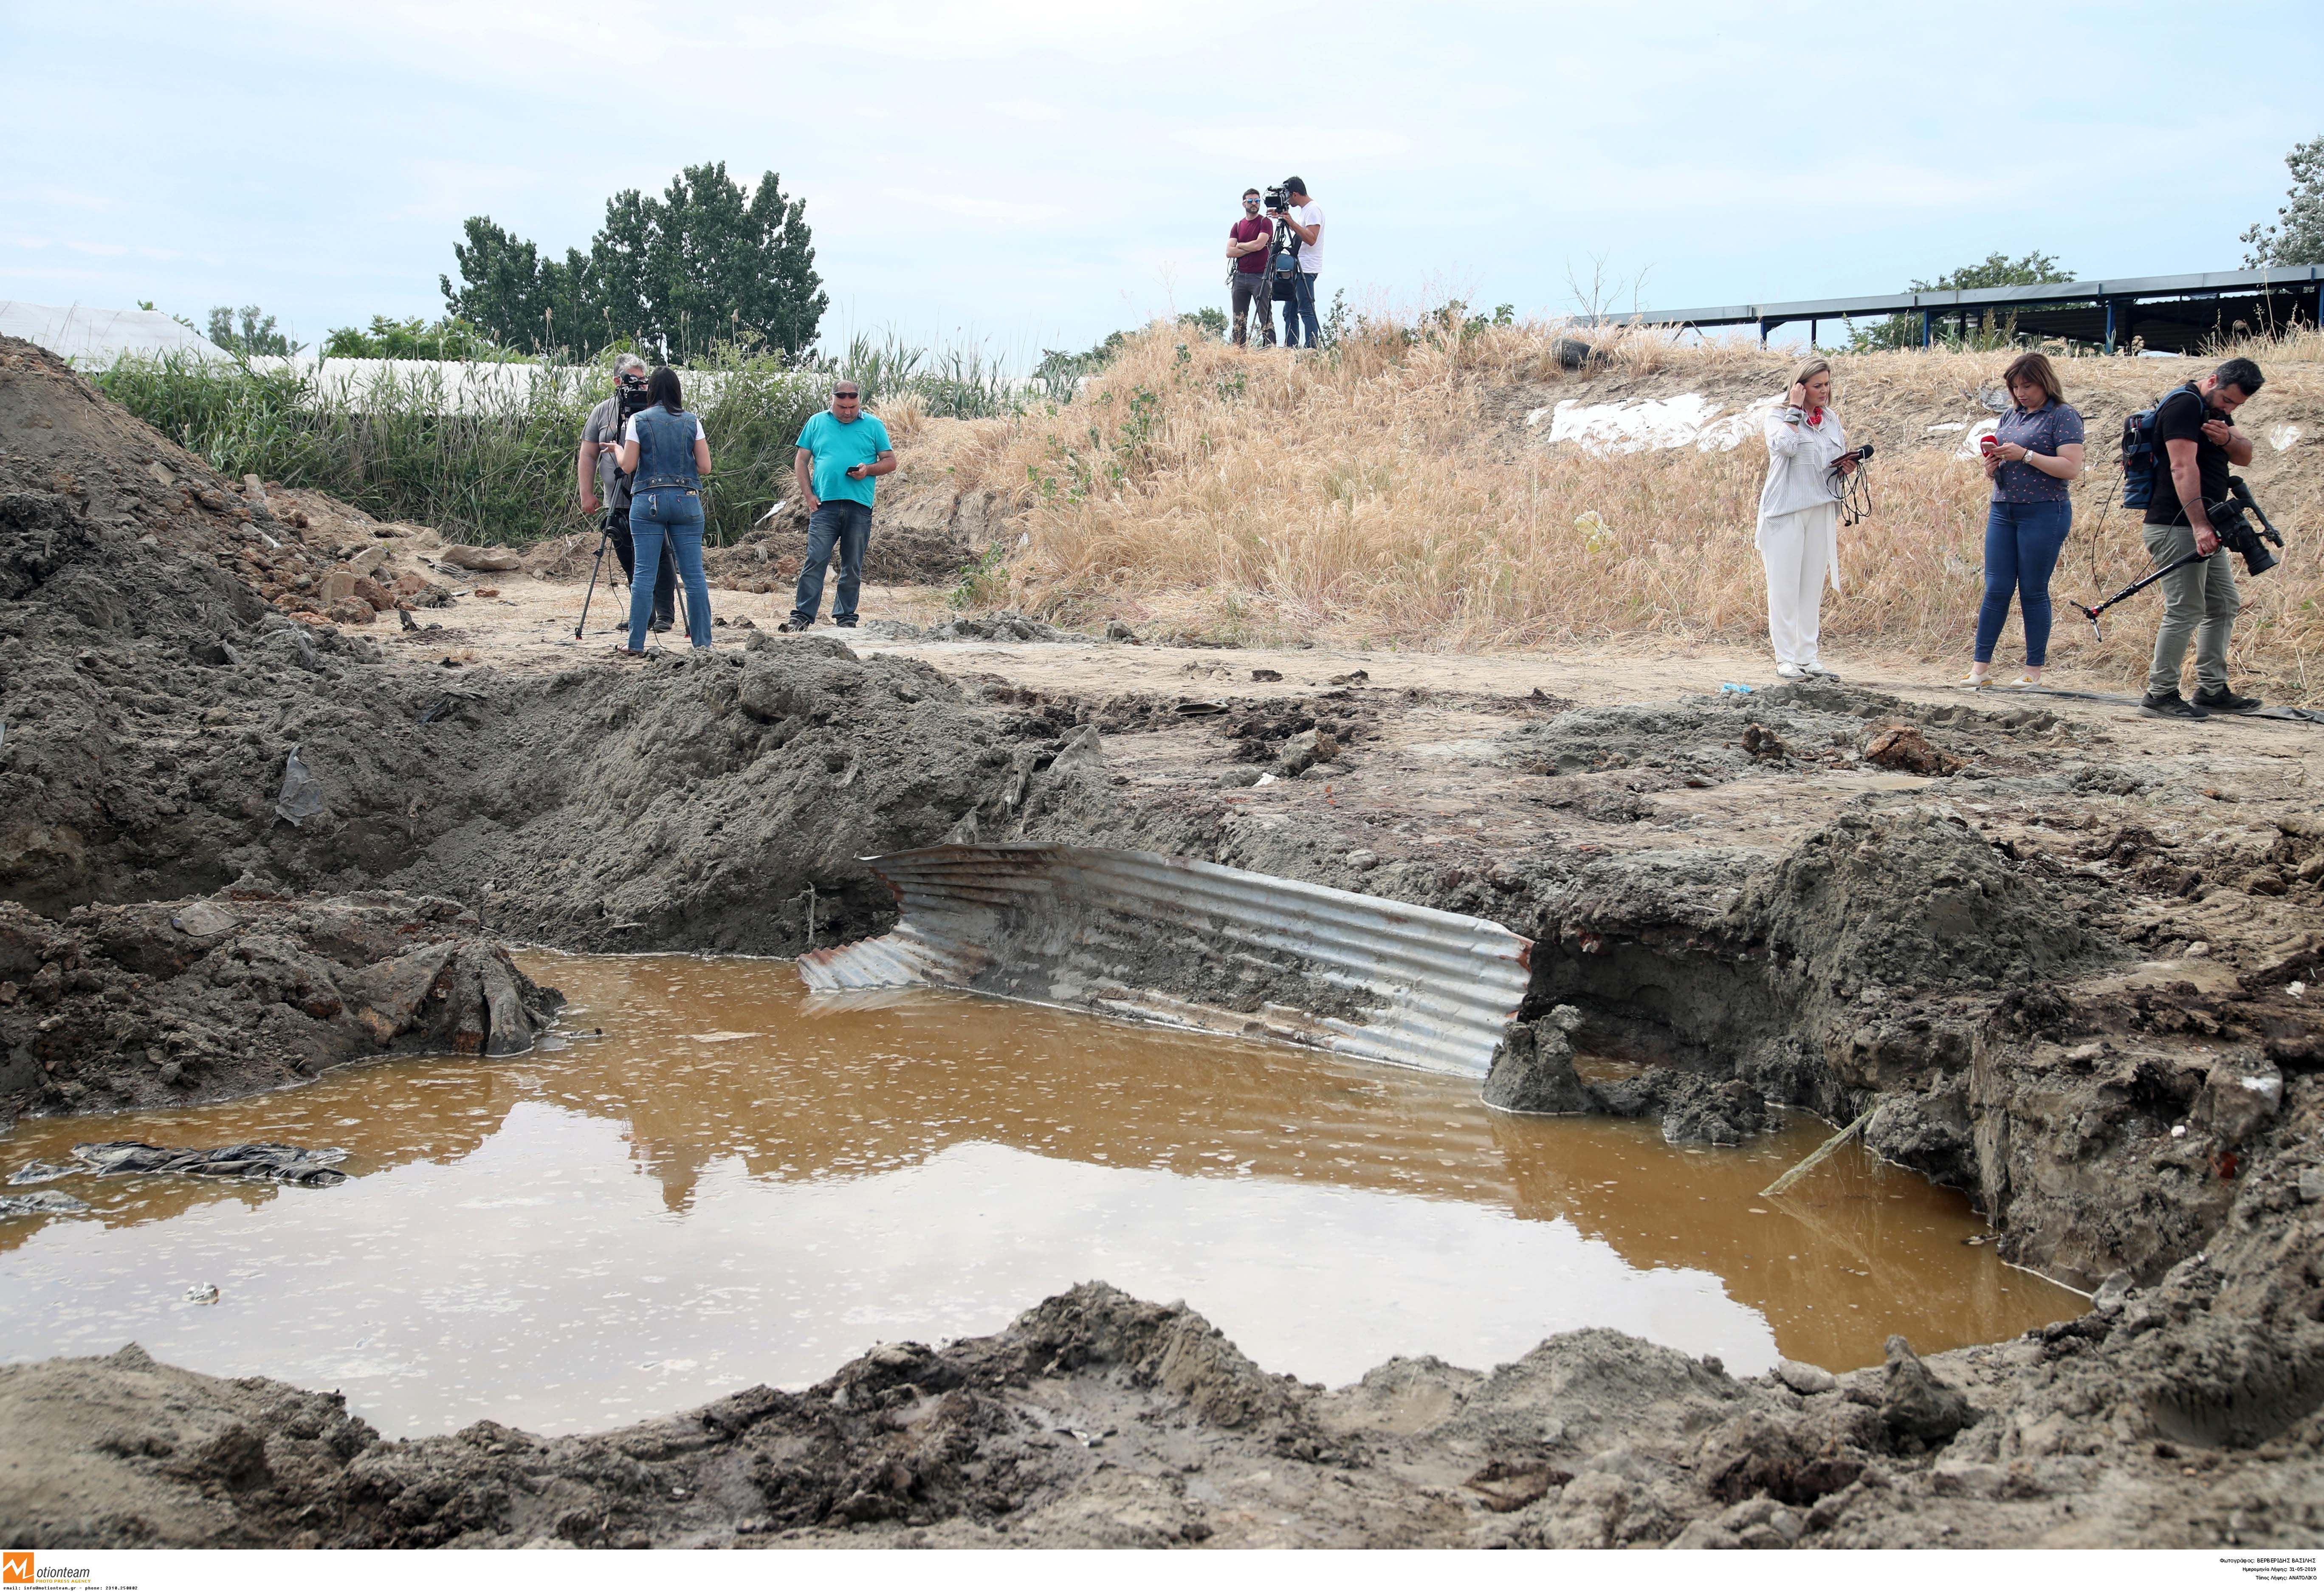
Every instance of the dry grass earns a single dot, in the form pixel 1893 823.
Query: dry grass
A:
pixel 1392 495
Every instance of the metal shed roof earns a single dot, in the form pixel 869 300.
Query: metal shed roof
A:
pixel 2169 312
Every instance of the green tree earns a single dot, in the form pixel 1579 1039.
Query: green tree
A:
pixel 706 262
pixel 449 339
pixel 1996 270
pixel 2296 236
pixel 255 334
pixel 517 299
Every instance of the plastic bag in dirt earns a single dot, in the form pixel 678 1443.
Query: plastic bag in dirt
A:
pixel 302 792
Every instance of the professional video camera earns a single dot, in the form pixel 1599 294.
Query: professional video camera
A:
pixel 2231 521
pixel 1279 201
pixel 629 397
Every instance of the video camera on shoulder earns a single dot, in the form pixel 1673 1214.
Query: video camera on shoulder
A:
pixel 629 397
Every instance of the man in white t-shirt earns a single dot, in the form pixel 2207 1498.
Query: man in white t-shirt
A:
pixel 1304 220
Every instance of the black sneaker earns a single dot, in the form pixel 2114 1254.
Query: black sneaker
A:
pixel 660 626
pixel 844 623
pixel 2172 706
pixel 794 625
pixel 2220 699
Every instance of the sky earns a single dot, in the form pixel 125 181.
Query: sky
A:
pixel 1023 176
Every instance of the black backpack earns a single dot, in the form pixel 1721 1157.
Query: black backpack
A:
pixel 2143 463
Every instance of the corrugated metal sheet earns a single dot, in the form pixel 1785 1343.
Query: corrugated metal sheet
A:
pixel 1193 944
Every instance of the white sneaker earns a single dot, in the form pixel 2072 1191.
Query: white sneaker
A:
pixel 1819 671
pixel 1791 671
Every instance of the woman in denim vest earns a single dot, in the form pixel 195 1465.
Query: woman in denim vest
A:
pixel 664 445
pixel 2036 450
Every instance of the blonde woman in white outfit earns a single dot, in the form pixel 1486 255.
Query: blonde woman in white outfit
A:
pixel 1799 516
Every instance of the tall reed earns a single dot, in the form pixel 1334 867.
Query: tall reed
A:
pixel 493 460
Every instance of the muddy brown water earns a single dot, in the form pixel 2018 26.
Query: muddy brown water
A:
pixel 744 1183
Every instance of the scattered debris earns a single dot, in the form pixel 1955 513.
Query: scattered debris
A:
pixel 48 1202
pixel 482 559
pixel 302 794
pixel 1902 747
pixel 273 1163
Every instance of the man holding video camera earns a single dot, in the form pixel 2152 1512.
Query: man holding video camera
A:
pixel 1303 218
pixel 2195 434
pixel 600 442
pixel 1250 283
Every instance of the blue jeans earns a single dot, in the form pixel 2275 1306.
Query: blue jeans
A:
pixel 1300 307
pixel 2022 542
pixel 671 517
pixel 846 525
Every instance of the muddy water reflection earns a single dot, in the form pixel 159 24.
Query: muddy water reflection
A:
pixel 739 1182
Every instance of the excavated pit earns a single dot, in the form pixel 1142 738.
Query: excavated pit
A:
pixel 2062 962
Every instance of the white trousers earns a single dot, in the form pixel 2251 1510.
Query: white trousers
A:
pixel 1797 550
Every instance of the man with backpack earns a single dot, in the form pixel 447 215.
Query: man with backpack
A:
pixel 2195 444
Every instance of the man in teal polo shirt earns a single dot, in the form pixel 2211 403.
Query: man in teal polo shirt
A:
pixel 842 453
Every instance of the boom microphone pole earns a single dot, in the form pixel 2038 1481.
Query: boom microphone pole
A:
pixel 2139 585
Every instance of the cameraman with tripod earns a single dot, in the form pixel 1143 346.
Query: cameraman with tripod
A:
pixel 600 442
pixel 2194 430
pixel 1302 217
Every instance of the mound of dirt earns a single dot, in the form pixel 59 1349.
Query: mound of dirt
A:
pixel 77 470
pixel 1912 896
pixel 153 701
pixel 172 1003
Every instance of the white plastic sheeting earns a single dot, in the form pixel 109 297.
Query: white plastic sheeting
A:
pixel 454 386
pixel 1689 419
pixel 94 338
pixel 1099 930
pixel 440 386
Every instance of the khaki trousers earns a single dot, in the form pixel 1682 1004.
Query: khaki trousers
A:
pixel 2200 602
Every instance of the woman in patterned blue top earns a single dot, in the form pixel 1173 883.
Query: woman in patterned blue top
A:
pixel 2035 451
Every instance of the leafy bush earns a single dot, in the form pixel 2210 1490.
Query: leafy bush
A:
pixel 447 339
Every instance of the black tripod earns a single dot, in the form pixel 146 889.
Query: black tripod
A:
pixel 1286 245
pixel 677 587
